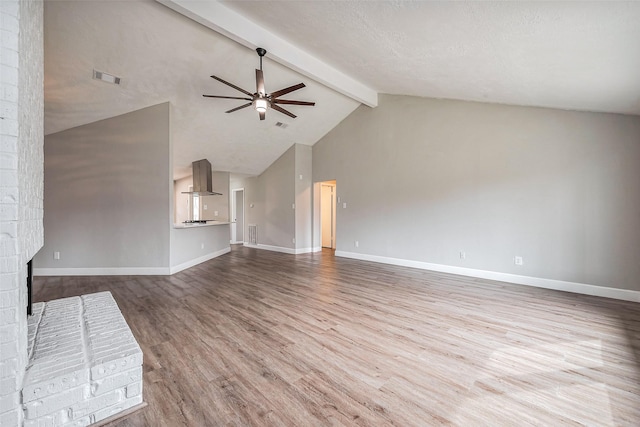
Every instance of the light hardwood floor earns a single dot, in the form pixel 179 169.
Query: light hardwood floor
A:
pixel 263 338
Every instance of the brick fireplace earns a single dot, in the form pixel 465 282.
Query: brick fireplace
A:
pixel 85 365
pixel 21 187
pixel 39 382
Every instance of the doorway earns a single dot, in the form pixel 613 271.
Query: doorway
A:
pixel 328 214
pixel 237 215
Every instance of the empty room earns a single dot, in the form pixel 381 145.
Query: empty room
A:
pixel 309 213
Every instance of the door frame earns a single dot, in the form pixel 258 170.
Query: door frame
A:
pixel 232 220
pixel 317 214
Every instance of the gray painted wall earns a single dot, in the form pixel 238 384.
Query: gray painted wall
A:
pixel 181 207
pixel 217 203
pixel 303 214
pixel 424 179
pixel 107 193
pixel 273 195
pixel 188 244
pixel 273 201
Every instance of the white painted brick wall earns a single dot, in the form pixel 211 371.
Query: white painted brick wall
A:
pixel 85 363
pixel 21 186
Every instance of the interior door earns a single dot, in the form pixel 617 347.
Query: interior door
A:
pixel 327 202
pixel 239 213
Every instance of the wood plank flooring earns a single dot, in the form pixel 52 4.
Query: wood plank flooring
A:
pixel 258 338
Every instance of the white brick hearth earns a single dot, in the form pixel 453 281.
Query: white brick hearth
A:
pixel 84 363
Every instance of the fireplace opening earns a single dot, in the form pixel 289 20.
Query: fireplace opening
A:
pixel 29 285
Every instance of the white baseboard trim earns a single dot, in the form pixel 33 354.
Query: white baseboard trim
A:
pixel 272 248
pixel 103 271
pixel 280 249
pixel 177 268
pixel 560 285
pixel 317 249
pixel 128 271
pixel 304 251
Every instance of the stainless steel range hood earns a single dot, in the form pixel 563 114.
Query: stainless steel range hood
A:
pixel 202 185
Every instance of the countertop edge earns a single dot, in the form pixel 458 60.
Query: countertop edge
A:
pixel 185 226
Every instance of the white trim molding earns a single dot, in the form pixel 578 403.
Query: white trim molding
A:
pixel 128 271
pixel 282 249
pixel 102 271
pixel 187 264
pixel 559 285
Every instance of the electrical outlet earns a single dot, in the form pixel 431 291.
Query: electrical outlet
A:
pixel 517 260
pixel 344 205
pixel 357 244
pixel 215 213
pixel 201 245
pixel 205 207
pixel 56 255
pixel 301 177
pixel 463 255
pixel 293 240
pixel 293 206
pixel 338 199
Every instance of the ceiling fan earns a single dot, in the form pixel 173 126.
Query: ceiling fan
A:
pixel 260 99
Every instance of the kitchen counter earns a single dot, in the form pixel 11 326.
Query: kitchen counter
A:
pixel 190 247
pixel 197 225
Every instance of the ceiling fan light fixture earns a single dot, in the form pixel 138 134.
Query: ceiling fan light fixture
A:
pixel 261 105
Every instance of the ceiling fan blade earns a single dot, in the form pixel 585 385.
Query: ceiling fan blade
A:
pixel 286 90
pixel 286 101
pixel 259 82
pixel 262 115
pixel 227 97
pixel 282 110
pixel 239 108
pixel 232 85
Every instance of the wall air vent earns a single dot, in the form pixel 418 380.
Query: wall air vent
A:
pixel 282 125
pixel 106 77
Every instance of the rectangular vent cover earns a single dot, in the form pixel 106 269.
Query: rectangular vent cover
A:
pixel 253 234
pixel 106 77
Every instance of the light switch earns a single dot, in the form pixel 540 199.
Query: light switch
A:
pixel 344 205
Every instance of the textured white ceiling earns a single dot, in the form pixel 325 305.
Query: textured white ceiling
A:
pixel 568 55
pixel 163 56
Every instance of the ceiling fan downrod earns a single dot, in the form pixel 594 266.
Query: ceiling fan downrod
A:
pixel 261 52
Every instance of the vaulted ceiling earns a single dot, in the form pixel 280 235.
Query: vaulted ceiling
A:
pixel 567 55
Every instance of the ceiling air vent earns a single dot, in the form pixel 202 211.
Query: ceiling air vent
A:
pixel 106 77
pixel 282 125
